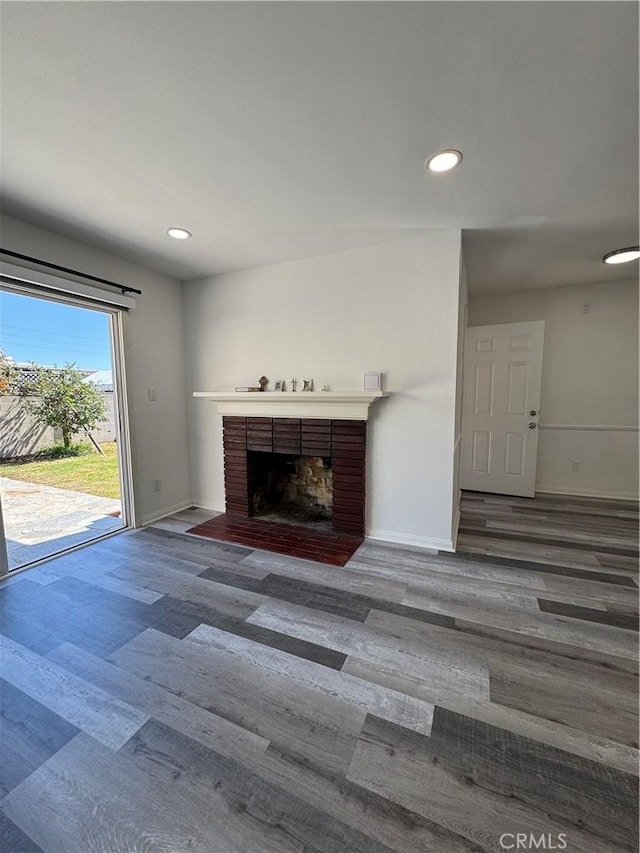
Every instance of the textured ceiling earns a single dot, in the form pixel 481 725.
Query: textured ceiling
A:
pixel 276 131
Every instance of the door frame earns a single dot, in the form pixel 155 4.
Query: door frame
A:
pixel 4 559
pixel 121 417
pixel 121 411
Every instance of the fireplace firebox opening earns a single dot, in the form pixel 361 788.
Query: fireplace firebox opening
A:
pixel 291 489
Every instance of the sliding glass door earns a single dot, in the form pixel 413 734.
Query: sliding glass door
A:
pixel 64 451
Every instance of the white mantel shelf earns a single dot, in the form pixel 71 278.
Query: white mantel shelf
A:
pixel 347 405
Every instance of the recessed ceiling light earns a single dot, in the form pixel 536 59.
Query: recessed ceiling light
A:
pixel 443 161
pixel 179 233
pixel 622 256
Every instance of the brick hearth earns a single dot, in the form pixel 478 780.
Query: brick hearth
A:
pixel 290 539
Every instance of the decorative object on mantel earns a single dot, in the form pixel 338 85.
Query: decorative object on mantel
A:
pixel 294 384
pixel 246 388
pixel 307 384
pixel 263 381
pixel 284 385
pixel 372 382
pixel 326 388
pixel 278 385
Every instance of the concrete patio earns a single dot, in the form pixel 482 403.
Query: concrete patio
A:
pixel 42 520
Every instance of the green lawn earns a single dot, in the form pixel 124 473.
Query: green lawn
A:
pixel 92 475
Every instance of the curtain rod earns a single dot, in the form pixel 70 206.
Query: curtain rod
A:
pixel 123 287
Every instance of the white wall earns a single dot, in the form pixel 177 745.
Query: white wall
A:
pixel 154 356
pixel 590 378
pixel 391 307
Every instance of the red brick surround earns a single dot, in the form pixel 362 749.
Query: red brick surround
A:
pixel 344 441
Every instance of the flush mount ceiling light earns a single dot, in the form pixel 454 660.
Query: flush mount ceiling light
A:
pixel 179 233
pixel 443 161
pixel 622 256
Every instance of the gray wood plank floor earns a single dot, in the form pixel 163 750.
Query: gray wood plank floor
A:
pixel 163 692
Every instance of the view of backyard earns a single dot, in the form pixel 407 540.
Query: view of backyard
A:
pixel 90 473
pixel 59 458
pixel 54 503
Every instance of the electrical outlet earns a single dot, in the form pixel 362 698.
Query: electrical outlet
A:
pixel 585 308
pixel 156 485
pixel 575 464
pixel 152 394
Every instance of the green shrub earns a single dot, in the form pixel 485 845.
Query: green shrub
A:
pixel 59 451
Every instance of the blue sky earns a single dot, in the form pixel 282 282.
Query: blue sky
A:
pixel 49 333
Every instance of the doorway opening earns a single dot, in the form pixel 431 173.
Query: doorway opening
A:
pixel 64 451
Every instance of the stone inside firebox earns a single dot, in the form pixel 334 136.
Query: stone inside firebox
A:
pixel 292 489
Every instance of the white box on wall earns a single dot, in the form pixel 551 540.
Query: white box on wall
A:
pixel 372 382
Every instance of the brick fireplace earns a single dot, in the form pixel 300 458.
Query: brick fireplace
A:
pixel 311 448
pixel 339 444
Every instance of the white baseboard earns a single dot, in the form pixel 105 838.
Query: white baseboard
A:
pixel 207 505
pixel 587 493
pixel 163 513
pixel 422 542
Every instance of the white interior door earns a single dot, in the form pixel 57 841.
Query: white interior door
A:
pixel 501 408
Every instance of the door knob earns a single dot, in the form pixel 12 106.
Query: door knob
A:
pixel 533 413
pixel 532 425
